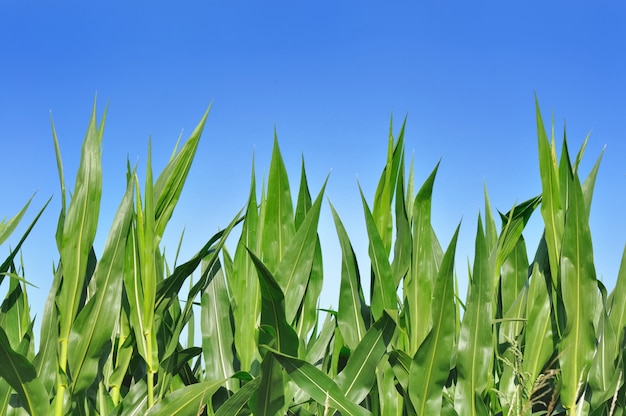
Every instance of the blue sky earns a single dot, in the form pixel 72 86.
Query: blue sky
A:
pixel 329 76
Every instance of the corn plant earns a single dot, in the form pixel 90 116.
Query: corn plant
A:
pixel 533 336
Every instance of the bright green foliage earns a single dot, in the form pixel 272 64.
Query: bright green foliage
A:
pixel 119 334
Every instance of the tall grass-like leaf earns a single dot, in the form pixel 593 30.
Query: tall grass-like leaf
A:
pixel 304 201
pixel 603 374
pixel 7 227
pixel 77 236
pixel 514 274
pixel 9 261
pixel 279 226
pixel 170 182
pixel 475 346
pixel 418 288
pixel 181 318
pixel 169 288
pixel 430 367
pixel 293 272
pixel 146 245
pixel 390 399
pixel 63 213
pixel 539 332
pixel 217 333
pixel 24 348
pixel 491 233
pixel 275 330
pixel 381 211
pixel 270 396
pixel 80 225
pixel 383 287
pixel 186 401
pixel 513 294
pixel 244 284
pixel 22 377
pixel 46 359
pixel 309 313
pixel 590 182
pixel 551 207
pixel 351 300
pixel 401 365
pixel 123 354
pixel 617 308
pixel 94 325
pixel 317 350
pixel 579 289
pixel 359 374
pixel 235 404
pixel 318 385
pixel 513 223
pixel 308 316
pixel 402 252
pixel 135 402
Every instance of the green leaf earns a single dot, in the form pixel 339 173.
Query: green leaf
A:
pixel 270 396
pixel 238 401
pixel 475 344
pixel 514 275
pixel 603 374
pixel 147 246
pixel 351 300
pixel 293 271
pixel 386 187
pixel 46 360
pixel 539 333
pixel 579 291
pixel 491 233
pixel 318 385
pixel 318 349
pixel 94 325
pixel 418 287
pixel 431 365
pixel 169 288
pixel 284 338
pixel 390 399
pixel 188 400
pixel 551 207
pixel 7 227
pixel 304 198
pixel 15 313
pixel 383 287
pixel 217 333
pixel 401 364
pixel 617 308
pixel 589 183
pixel 22 377
pixel 359 374
pixel 513 223
pixel 403 244
pixel 8 262
pixel 79 228
pixel 244 284
pixel 279 227
pixel 170 182
pixel 136 400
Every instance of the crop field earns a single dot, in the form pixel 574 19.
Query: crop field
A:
pixel 237 330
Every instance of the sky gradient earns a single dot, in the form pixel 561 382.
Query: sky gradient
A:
pixel 329 76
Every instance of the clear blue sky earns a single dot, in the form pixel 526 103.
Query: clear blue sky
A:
pixel 329 76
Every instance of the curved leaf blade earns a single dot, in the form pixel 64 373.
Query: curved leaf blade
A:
pixel 431 365
pixel 22 377
pixel 318 385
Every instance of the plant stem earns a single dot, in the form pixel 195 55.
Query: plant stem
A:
pixel 61 385
pixel 150 371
